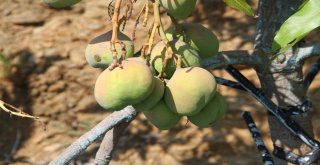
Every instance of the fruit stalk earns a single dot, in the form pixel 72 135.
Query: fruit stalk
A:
pixel 144 8
pixel 157 21
pixel 115 29
pixel 145 19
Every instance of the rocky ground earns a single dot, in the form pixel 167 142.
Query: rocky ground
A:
pixel 50 78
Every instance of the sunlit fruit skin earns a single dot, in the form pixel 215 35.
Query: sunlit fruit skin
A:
pixel 179 9
pixel 98 53
pixel 123 86
pixel 189 90
pixel 61 3
pixel 211 113
pixel 161 116
pixel 190 57
pixel 198 37
pixel 143 61
pixel 155 96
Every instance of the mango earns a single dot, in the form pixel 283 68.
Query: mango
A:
pixel 98 53
pixel 143 61
pixel 161 116
pixel 198 37
pixel 61 3
pixel 211 113
pixel 123 86
pixel 179 9
pixel 189 90
pixel 190 57
pixel 155 96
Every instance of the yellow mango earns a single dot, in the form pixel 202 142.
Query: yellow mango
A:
pixel 123 86
pixel 189 90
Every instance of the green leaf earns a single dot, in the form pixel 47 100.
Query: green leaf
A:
pixel 297 26
pixel 241 5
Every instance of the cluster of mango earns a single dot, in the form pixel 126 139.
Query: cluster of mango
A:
pixel 185 90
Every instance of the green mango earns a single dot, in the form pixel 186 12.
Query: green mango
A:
pixel 189 90
pixel 190 57
pixel 143 61
pixel 179 9
pixel 198 37
pixel 155 96
pixel 98 53
pixel 61 3
pixel 123 86
pixel 161 116
pixel 211 113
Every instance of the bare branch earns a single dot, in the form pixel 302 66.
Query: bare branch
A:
pixel 302 53
pixel 225 58
pixel 125 115
pixel 108 144
pixel 315 68
pixel 260 16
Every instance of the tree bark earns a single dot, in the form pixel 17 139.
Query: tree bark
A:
pixel 284 86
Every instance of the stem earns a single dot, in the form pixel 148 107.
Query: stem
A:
pixel 146 13
pixel 169 53
pixel 151 38
pixel 114 38
pixel 125 115
pixel 145 6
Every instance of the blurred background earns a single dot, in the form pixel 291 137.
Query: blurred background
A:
pixel 43 72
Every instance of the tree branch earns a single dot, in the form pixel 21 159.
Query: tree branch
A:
pixel 115 123
pixel 266 157
pixel 302 53
pixel 311 74
pixel 125 115
pixel 229 83
pixel 225 58
pixel 108 144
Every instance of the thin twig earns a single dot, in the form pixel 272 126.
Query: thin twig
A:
pixel 15 111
